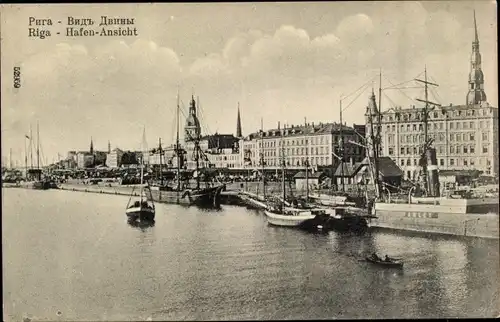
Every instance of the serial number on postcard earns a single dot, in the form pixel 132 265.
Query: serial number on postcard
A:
pixel 17 77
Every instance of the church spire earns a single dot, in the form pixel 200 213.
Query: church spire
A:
pixel 476 38
pixel 91 145
pixel 109 147
pixel 238 123
pixel 476 94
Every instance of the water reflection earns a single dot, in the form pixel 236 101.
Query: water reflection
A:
pixel 142 225
pixel 229 265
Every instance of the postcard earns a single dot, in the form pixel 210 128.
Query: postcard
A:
pixel 249 161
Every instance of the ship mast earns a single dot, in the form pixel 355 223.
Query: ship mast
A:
pixel 283 186
pixel 342 149
pixel 26 159
pixel 262 158
pixel 425 120
pixel 196 152
pixel 142 169
pixel 161 164
pixel 38 149
pixel 378 140
pixel 31 147
pixel 177 151
pixel 307 162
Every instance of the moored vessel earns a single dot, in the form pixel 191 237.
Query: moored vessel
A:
pixel 279 213
pixel 178 190
pixel 142 209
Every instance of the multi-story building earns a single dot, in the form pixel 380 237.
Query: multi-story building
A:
pixel 465 136
pixel 114 158
pixel 317 143
pixel 84 160
pixel 216 151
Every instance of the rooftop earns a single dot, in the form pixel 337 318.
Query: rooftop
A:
pixel 301 130
pixel 311 175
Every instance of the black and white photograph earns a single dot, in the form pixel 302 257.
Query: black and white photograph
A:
pixel 249 161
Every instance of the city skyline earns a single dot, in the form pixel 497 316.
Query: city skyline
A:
pixel 283 65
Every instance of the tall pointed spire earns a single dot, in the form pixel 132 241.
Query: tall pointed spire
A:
pixel 144 143
pixel 476 38
pixel 91 145
pixel 476 94
pixel 109 147
pixel 238 123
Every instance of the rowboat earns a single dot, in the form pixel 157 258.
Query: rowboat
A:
pixel 391 263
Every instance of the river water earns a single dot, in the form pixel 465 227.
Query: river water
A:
pixel 72 256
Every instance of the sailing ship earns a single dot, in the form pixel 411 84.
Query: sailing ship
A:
pixel 279 213
pixel 179 190
pixel 142 209
pixel 38 182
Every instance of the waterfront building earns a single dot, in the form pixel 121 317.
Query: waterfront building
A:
pixel 465 136
pixel 84 160
pixel 222 150
pixel 114 158
pixel 313 180
pixel 319 143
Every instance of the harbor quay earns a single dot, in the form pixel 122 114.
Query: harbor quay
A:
pixel 395 216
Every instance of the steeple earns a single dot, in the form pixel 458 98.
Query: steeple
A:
pixel 371 109
pixel 238 123
pixel 371 123
pixel 109 147
pixel 192 127
pixel 476 38
pixel 476 94
pixel 91 146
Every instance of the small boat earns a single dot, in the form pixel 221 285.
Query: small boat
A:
pixel 392 262
pixel 142 209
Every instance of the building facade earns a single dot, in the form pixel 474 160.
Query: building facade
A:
pixel 465 136
pixel 318 143
pixel 84 160
pixel 114 158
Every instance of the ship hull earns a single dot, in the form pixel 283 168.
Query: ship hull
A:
pixel 452 219
pixel 304 219
pixel 140 214
pixel 354 224
pixel 206 197
pixel 40 185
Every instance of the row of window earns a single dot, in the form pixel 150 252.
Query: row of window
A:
pixel 417 115
pixel 458 149
pixel 439 126
pixel 438 137
pixel 464 162
pixel 312 151
pixel 314 141
pixel 298 161
pixel 322 140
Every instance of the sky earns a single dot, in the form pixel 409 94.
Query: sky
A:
pixel 281 62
